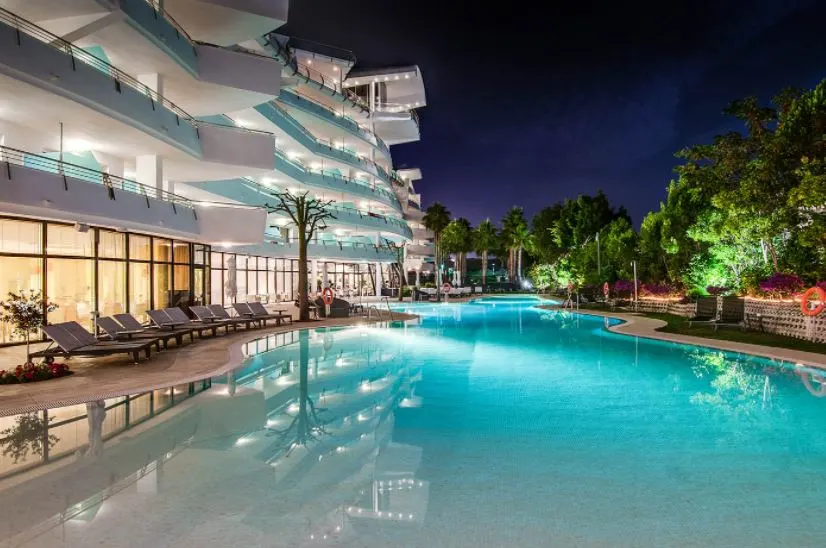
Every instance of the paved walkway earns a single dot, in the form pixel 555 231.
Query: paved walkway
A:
pixel 639 326
pixel 101 378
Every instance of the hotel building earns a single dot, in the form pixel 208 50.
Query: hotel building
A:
pixel 141 142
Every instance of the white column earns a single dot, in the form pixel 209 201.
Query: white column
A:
pixel 314 281
pixel 418 276
pixel 149 172
pixel 325 281
pixel 153 81
pixel 378 279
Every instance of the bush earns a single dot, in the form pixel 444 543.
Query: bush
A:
pixel 717 290
pixel 31 372
pixel 624 287
pixel 659 290
pixel 781 285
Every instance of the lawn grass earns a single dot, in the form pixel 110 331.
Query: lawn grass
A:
pixel 679 325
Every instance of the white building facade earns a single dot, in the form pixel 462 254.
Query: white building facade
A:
pixel 141 142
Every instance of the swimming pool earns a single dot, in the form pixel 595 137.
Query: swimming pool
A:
pixel 492 423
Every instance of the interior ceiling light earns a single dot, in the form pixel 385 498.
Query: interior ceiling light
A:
pixel 396 77
pixel 406 76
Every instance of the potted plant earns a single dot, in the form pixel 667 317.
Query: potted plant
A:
pixel 25 311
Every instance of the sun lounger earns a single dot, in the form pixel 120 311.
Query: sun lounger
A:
pixel 117 332
pixel 221 313
pixel 208 315
pixel 163 320
pixel 130 323
pixel 259 310
pixel 73 340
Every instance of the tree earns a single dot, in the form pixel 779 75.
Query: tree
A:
pixel 513 229
pixel 308 215
pixel 24 311
pixel 436 218
pixel 457 239
pixel 484 240
pixel 522 239
pixel 398 251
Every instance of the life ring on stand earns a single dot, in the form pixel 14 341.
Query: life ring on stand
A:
pixel 327 296
pixel 820 296
pixel 606 289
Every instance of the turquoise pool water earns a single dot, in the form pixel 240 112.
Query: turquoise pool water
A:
pixel 492 423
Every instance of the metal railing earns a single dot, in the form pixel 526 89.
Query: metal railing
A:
pixel 395 108
pixel 163 13
pixel 334 243
pixel 301 96
pixel 118 76
pixel 389 176
pixel 65 169
pixel 280 154
pixel 79 54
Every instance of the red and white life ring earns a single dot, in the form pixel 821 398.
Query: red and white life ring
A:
pixel 446 287
pixel 606 289
pixel 327 296
pixel 819 295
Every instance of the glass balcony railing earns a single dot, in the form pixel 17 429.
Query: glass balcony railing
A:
pixel 343 213
pixel 300 171
pixel 109 182
pixel 299 132
pixel 300 100
pixel 396 108
pixel 119 77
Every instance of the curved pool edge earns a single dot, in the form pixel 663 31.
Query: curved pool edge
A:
pixel 633 325
pixel 168 368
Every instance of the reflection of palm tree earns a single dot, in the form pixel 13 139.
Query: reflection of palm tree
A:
pixel 30 433
pixel 306 427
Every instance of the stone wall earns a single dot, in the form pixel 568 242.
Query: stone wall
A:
pixel 666 307
pixel 784 318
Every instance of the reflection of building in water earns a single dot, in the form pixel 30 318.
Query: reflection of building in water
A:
pixel 302 446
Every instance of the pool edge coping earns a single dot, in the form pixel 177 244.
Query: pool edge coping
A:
pixel 634 325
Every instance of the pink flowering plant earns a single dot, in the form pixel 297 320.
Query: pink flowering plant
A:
pixel 624 287
pixel 781 285
pixel 25 311
pixel 661 291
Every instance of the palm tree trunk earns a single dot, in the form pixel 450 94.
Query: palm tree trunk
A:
pixel 303 297
pixel 484 269
pixel 519 272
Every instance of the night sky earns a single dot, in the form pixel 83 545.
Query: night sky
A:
pixel 528 106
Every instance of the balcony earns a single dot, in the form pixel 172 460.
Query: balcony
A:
pixel 282 119
pixel 31 56
pixel 301 101
pixel 420 250
pixel 331 181
pixel 325 249
pixel 43 187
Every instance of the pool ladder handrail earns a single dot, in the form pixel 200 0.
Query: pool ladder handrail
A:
pixel 386 301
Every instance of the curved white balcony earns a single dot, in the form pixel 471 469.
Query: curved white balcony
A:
pixel 36 66
pixel 324 249
pixel 420 250
pixel 296 99
pixel 292 127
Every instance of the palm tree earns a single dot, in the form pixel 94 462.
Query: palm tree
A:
pixel 436 218
pixel 512 224
pixel 456 239
pixel 484 239
pixel 522 239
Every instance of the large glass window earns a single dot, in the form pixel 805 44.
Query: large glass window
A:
pixel 139 248
pixel 20 236
pixel 111 287
pixel 181 252
pixel 111 245
pixel 140 290
pixel 161 250
pixel 162 285
pixel 17 274
pixel 70 285
pixel 66 240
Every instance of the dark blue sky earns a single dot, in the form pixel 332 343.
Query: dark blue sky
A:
pixel 528 106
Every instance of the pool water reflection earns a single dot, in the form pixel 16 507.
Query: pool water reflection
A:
pixel 491 423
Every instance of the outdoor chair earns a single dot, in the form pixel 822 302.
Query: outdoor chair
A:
pixel 732 314
pixel 164 320
pixel 257 311
pixel 221 313
pixel 73 340
pixel 130 323
pixel 206 317
pixel 117 332
pixel 706 312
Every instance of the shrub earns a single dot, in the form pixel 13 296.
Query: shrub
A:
pixel 25 312
pixel 717 290
pixel 659 290
pixel 624 286
pixel 30 372
pixel 781 285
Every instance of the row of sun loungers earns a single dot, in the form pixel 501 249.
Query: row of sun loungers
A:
pixel 124 334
